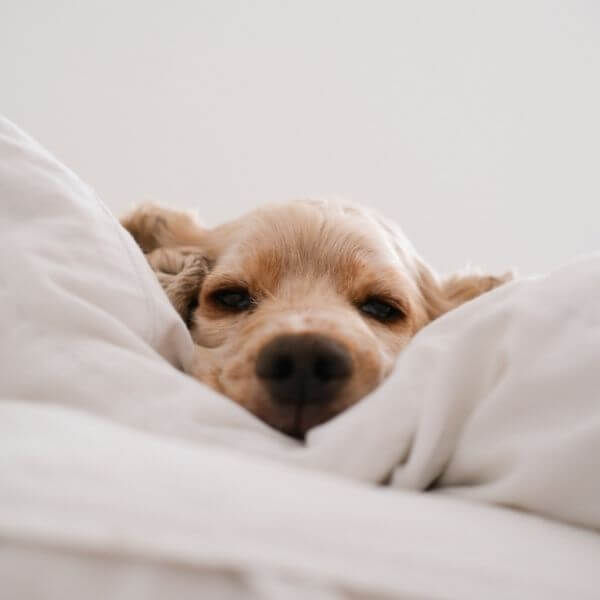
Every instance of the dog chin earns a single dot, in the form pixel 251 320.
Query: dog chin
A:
pixel 296 420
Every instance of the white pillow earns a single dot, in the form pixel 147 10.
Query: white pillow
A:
pixel 72 269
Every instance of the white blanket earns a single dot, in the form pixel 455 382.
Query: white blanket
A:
pixel 107 448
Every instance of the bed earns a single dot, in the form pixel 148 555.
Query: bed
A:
pixel 473 472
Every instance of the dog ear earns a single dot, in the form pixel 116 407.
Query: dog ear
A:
pixel 172 242
pixel 153 226
pixel 442 295
pixel 181 272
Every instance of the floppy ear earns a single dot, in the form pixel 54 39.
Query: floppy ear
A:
pixel 153 226
pixel 181 272
pixel 172 243
pixel 442 295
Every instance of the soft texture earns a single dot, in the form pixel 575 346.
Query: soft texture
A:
pixel 118 473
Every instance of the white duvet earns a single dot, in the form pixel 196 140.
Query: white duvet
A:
pixel 122 477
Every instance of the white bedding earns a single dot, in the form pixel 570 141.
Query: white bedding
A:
pixel 122 477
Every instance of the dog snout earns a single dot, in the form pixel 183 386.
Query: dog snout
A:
pixel 304 368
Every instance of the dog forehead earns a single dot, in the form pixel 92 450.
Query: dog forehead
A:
pixel 302 236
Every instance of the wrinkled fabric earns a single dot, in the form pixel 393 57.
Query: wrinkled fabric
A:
pixel 107 449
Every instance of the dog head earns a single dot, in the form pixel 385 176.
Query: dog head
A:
pixel 299 310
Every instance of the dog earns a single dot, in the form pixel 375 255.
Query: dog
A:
pixel 298 310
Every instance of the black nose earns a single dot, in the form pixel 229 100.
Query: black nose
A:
pixel 303 368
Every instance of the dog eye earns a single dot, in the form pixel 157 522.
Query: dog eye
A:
pixel 233 299
pixel 381 310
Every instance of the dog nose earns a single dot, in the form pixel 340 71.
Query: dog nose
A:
pixel 303 368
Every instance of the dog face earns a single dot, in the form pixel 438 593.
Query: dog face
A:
pixel 298 310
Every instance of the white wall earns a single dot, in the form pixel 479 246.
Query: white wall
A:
pixel 475 124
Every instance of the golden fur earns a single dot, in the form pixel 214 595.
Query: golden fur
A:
pixel 308 266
